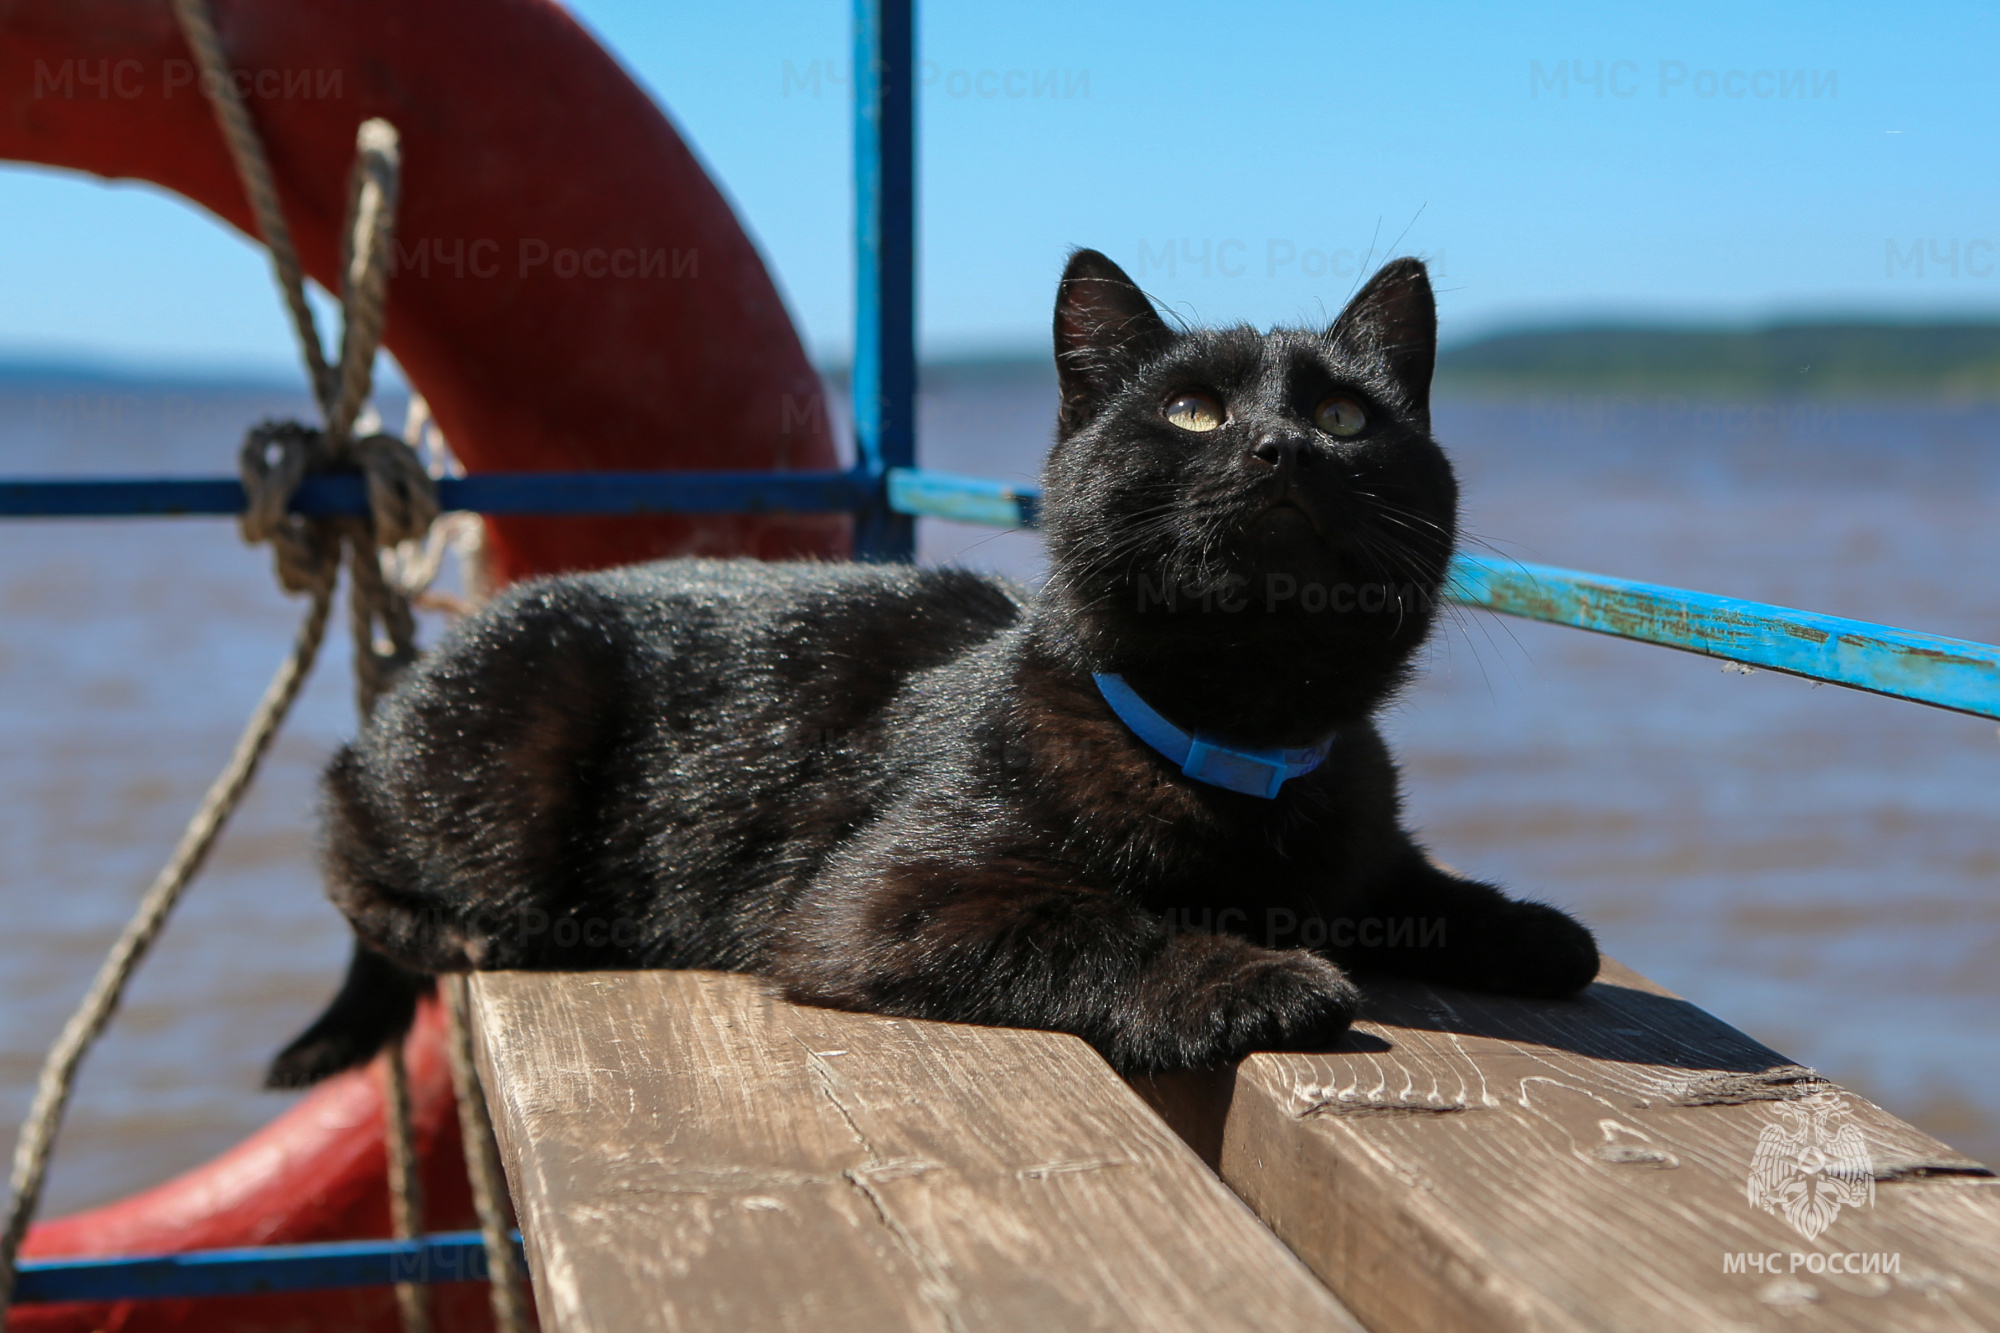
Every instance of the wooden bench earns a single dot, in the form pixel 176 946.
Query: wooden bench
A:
pixel 687 1152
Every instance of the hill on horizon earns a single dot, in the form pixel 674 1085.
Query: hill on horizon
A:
pixel 1846 358
pixel 1804 358
pixel 1851 358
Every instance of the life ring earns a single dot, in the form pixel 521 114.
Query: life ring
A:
pixel 572 293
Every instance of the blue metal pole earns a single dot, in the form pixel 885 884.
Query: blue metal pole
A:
pixel 488 493
pixel 885 239
pixel 453 1256
pixel 1923 668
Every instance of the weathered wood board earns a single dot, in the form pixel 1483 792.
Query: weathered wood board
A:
pixel 1468 1162
pixel 687 1153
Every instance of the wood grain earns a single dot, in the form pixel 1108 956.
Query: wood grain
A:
pixel 1468 1162
pixel 687 1153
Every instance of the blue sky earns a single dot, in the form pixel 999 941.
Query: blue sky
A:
pixel 1693 162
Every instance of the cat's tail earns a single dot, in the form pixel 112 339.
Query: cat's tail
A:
pixel 375 1006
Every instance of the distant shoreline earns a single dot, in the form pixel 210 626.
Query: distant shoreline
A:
pixel 1845 359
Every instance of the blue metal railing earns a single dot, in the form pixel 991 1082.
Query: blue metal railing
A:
pixel 908 492
pixel 574 493
pixel 1923 668
pixel 450 1256
pixel 1956 674
pixel 886 492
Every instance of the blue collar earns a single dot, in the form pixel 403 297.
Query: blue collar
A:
pixel 1204 758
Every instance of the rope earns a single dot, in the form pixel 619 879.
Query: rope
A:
pixel 365 260
pixel 482 1162
pixel 406 1186
pixel 275 458
pixel 403 501
pixel 402 509
pixel 410 567
pixel 254 169
pixel 58 1076
pixel 307 552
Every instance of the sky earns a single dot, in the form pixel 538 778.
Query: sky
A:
pixel 1694 163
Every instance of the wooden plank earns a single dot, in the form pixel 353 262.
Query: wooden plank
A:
pixel 1470 1162
pixel 688 1153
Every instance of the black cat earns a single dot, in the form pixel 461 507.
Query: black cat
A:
pixel 1148 806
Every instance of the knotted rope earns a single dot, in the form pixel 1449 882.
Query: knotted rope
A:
pixel 308 551
pixel 402 501
pixel 276 459
pixel 396 503
pixel 375 602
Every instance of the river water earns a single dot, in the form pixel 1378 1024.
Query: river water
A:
pixel 1817 866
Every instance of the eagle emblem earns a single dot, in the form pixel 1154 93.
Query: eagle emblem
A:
pixel 1808 1165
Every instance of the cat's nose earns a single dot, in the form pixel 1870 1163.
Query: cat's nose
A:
pixel 1287 452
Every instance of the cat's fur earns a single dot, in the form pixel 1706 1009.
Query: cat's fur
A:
pixel 898 789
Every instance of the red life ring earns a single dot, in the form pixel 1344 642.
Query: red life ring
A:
pixel 572 294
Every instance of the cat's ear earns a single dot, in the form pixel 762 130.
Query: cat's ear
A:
pixel 1105 327
pixel 1394 320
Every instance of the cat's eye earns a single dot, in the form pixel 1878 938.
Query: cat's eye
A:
pixel 1194 410
pixel 1340 415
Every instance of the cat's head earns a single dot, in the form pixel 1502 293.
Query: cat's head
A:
pixel 1225 505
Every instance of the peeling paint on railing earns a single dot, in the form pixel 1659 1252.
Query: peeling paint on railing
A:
pixel 1924 668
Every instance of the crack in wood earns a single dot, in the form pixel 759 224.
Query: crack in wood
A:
pixel 1963 1168
pixel 715 1184
pixel 935 1287
pixel 1334 1106
pixel 1631 1154
pixel 1780 1083
pixel 1047 1169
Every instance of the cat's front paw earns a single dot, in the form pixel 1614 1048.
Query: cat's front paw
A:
pixel 1526 948
pixel 1213 999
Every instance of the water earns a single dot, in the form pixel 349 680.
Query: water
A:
pixel 1815 865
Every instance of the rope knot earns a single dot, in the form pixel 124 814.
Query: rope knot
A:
pixel 276 457
pixel 402 496
pixel 402 504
